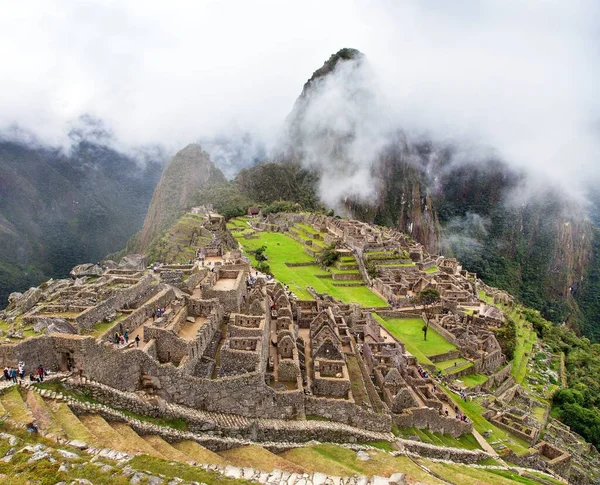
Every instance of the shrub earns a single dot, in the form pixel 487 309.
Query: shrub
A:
pixel 329 256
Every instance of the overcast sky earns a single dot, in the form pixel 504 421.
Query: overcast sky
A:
pixel 520 76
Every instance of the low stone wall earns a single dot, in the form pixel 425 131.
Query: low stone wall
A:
pixel 456 455
pixel 497 378
pixel 104 310
pixel 346 276
pixel 193 280
pixel 450 355
pixel 169 347
pixel 398 314
pixel 427 418
pixel 505 386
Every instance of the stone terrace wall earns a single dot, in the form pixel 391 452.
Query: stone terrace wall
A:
pixel 427 418
pixel 103 311
pixel 346 412
pixel 262 430
pixel 456 455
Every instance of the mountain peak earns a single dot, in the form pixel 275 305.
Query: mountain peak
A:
pixel 343 55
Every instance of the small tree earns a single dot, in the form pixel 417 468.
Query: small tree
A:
pixel 427 298
pixel 260 255
pixel 329 256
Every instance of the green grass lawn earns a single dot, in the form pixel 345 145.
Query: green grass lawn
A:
pixel 408 331
pixel 307 228
pixel 467 441
pixel 283 249
pixel 473 379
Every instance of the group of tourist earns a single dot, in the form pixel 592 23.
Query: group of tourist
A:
pixel 123 339
pixel 422 372
pixel 460 416
pixel 159 312
pixel 12 374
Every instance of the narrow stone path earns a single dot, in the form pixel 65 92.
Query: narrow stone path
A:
pixel 485 445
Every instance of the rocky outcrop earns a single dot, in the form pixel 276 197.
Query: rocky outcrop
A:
pixel 53 325
pixel 87 269
pixel 134 262
pixel 24 302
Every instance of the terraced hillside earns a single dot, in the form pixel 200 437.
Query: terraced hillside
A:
pixel 75 446
pixel 291 258
pixel 178 243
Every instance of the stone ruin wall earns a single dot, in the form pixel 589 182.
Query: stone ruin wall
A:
pixel 426 418
pixel 140 315
pixel 245 394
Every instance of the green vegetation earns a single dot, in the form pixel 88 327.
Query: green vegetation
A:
pixel 336 460
pixel 473 380
pixel 281 249
pixel 467 441
pixel 329 256
pixel 409 331
pixel 474 412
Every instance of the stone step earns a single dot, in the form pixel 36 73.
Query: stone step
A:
pixel 166 449
pixel 198 453
pixel 16 408
pixel 135 443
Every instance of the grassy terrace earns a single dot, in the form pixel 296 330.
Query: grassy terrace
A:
pixel 526 338
pixel 283 249
pixel 466 441
pixel 499 437
pixel 408 331
pixel 473 380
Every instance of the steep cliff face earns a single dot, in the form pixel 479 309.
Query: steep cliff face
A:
pixel 189 170
pixel 539 248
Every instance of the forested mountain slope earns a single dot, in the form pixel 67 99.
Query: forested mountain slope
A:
pixel 58 210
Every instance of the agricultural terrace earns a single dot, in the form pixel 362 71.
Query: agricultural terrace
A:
pixel 283 249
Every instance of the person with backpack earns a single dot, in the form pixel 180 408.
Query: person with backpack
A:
pixel 126 336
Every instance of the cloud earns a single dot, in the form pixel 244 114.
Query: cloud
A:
pixel 521 79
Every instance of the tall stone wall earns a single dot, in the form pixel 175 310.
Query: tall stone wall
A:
pixel 169 347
